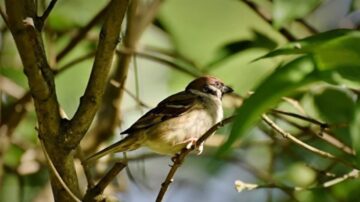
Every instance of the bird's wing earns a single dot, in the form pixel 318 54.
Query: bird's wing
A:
pixel 173 106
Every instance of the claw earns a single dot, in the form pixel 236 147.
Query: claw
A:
pixel 199 149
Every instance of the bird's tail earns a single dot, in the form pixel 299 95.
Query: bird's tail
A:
pixel 127 144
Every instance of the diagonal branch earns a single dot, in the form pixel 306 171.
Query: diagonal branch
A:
pixel 21 15
pixel 46 14
pixel 179 158
pixel 304 145
pixel 94 193
pixel 81 33
pixel 288 35
pixel 140 14
pixel 90 101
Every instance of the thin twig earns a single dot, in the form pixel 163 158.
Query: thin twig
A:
pixel 305 118
pixel 88 175
pixel 303 144
pixel 295 104
pixel 139 102
pixel 242 186
pixel 159 59
pixel 288 35
pixel 94 193
pixel 74 62
pixel 179 157
pixel 81 33
pixel 324 136
pixel 56 173
pixel 46 13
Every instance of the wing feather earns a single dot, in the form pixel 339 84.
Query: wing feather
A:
pixel 173 106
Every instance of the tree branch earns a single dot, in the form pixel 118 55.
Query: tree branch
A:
pixel 179 158
pixel 90 101
pixel 56 173
pixel 46 14
pixel 95 193
pixel 288 35
pixel 242 186
pixel 21 15
pixel 303 144
pixel 81 33
pixel 305 118
pixel 139 16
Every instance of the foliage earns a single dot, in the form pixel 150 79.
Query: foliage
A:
pixel 296 130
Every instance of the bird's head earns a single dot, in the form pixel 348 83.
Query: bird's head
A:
pixel 208 86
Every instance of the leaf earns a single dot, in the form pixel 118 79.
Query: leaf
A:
pixel 259 40
pixel 331 50
pixel 355 131
pixel 280 83
pixel 335 105
pixel 342 51
pixel 286 11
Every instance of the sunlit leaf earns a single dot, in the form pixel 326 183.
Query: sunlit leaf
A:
pixel 259 40
pixel 284 80
pixel 317 43
pixel 285 11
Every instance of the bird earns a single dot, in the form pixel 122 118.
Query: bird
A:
pixel 176 122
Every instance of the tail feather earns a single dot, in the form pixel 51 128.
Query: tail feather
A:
pixel 127 144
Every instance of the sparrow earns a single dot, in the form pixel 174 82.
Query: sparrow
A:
pixel 177 121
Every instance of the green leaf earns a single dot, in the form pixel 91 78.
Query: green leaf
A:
pixel 286 11
pixel 313 43
pixel 342 51
pixel 13 155
pixel 355 132
pixel 335 105
pixel 227 51
pixel 280 83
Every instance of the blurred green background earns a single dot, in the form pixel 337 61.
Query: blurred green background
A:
pixel 221 38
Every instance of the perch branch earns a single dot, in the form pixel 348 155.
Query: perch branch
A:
pixel 179 158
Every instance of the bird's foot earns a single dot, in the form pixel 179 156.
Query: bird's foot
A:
pixel 193 143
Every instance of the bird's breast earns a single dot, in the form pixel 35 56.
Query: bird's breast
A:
pixel 170 136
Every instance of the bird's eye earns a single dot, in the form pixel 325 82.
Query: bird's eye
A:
pixel 209 90
pixel 206 89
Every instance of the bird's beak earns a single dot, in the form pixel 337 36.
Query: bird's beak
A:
pixel 226 89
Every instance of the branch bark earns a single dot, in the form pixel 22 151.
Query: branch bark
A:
pixel 21 17
pixel 90 101
pixel 94 194
pixel 60 136
pixel 139 16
